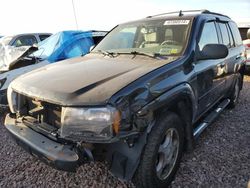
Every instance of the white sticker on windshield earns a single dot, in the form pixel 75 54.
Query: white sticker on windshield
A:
pixel 176 22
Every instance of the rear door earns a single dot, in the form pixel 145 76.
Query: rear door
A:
pixel 210 73
pixel 228 40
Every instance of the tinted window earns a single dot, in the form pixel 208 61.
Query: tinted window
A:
pixel 236 34
pixel 224 33
pixel 43 37
pixel 28 40
pixel 208 35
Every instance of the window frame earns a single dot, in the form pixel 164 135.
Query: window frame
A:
pixel 228 34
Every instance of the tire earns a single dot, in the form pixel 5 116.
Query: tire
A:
pixel 3 114
pixel 2 117
pixel 149 172
pixel 234 96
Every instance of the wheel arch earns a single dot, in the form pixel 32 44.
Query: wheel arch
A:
pixel 180 100
pixel 123 159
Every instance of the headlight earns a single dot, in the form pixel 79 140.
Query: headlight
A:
pixel 95 123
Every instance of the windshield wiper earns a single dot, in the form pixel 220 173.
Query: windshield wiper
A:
pixel 107 53
pixel 115 54
pixel 153 55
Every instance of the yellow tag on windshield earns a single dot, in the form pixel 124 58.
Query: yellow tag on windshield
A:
pixel 174 51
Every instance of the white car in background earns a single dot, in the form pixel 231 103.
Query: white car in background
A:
pixel 27 39
pixel 247 45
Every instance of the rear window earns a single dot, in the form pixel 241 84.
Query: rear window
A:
pixel 236 34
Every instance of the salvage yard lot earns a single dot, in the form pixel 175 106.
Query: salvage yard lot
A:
pixel 221 159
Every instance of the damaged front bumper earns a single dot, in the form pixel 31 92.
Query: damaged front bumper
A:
pixel 60 156
pixel 122 156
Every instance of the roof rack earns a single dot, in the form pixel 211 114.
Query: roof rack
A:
pixel 208 12
pixel 180 13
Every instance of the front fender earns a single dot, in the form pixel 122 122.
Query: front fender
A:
pixel 124 156
pixel 169 97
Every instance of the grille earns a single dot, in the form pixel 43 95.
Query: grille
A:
pixel 43 112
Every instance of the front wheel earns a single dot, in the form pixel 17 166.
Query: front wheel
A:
pixel 162 153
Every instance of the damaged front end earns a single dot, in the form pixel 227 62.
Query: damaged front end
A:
pixel 66 137
pixel 11 57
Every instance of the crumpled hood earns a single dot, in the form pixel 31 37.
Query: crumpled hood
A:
pixel 89 80
pixel 10 55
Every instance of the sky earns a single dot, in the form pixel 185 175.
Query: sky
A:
pixel 26 16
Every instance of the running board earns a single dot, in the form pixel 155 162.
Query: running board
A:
pixel 210 118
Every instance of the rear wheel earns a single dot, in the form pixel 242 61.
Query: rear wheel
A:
pixel 234 97
pixel 162 153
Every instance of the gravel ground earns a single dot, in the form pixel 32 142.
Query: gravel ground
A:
pixel 221 159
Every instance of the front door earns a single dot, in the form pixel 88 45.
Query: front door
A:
pixel 210 73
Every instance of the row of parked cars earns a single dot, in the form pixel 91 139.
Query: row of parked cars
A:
pixel 138 100
pixel 16 60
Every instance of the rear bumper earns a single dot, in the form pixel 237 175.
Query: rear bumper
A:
pixel 60 156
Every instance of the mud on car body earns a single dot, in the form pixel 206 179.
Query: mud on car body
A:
pixel 137 100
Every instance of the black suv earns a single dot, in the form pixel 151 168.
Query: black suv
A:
pixel 138 100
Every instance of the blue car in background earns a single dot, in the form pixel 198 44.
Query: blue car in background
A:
pixel 60 46
pixel 67 44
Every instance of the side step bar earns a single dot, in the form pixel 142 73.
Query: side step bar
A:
pixel 210 118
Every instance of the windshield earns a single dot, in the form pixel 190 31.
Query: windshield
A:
pixel 163 37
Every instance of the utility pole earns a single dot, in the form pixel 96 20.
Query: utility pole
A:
pixel 74 10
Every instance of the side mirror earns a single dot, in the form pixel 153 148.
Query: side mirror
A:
pixel 213 51
pixel 248 33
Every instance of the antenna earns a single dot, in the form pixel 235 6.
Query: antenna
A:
pixel 180 13
pixel 74 10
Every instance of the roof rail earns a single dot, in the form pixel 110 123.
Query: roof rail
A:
pixel 180 13
pixel 208 12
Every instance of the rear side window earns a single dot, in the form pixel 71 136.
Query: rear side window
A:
pixel 230 36
pixel 43 37
pixel 225 34
pixel 236 34
pixel 208 35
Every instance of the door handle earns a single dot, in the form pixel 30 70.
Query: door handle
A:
pixel 238 57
